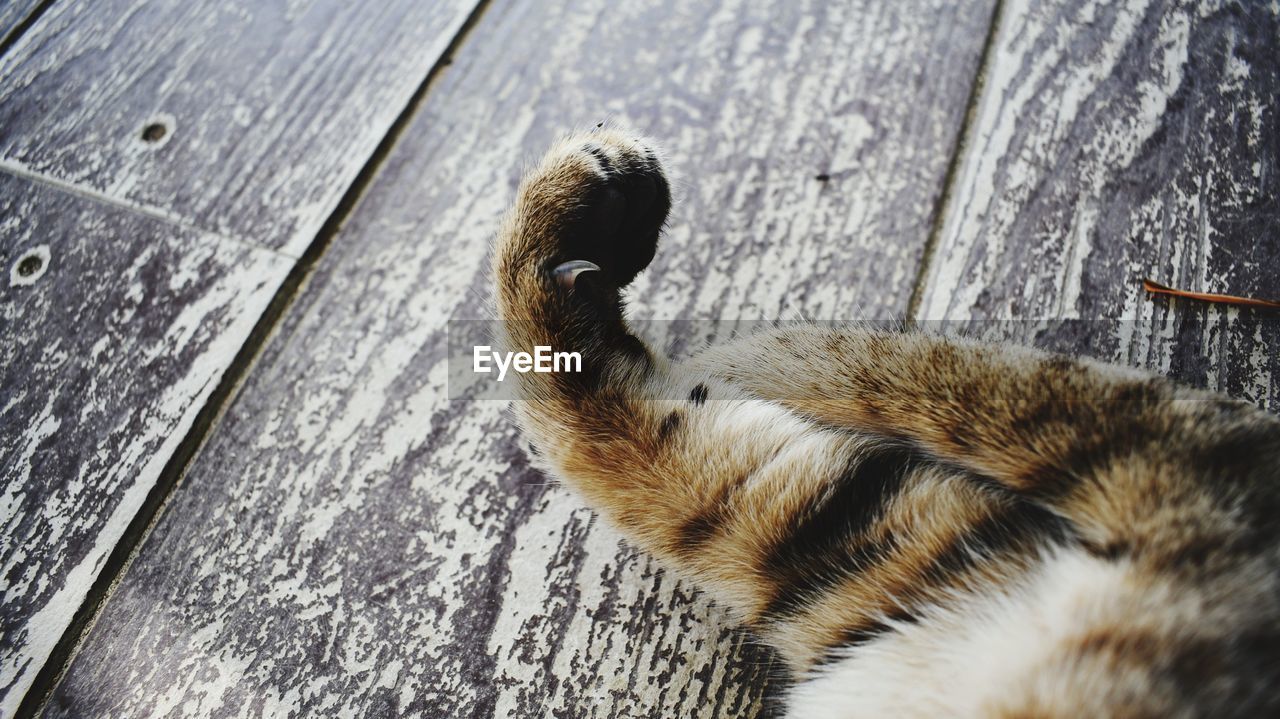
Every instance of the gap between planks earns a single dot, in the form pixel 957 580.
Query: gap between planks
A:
pixel 11 39
pixel 122 555
pixel 953 165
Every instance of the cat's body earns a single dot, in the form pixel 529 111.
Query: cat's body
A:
pixel 921 527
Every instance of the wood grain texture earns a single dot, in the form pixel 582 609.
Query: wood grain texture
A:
pixel 270 109
pixel 12 14
pixel 1116 141
pixel 115 329
pixel 351 542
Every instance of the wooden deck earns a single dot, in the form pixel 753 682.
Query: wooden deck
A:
pixel 232 234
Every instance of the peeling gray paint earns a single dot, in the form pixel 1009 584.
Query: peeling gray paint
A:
pixel 1115 141
pixel 109 349
pixel 272 108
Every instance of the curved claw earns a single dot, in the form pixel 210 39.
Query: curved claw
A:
pixel 567 273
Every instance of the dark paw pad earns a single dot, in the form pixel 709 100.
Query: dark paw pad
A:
pixel 622 212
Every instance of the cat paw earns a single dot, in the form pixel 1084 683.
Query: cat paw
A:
pixel 606 194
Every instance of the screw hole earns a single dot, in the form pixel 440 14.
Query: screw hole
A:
pixel 30 265
pixel 154 132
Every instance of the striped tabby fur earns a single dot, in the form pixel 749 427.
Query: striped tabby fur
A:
pixel 921 527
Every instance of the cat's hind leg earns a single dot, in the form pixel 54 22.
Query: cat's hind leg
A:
pixel 1140 466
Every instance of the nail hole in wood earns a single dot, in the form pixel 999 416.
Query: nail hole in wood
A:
pixel 154 132
pixel 30 267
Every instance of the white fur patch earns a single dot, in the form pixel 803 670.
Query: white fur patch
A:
pixel 954 662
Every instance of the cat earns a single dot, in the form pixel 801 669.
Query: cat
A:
pixel 920 526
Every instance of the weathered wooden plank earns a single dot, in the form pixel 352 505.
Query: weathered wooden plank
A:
pixel 1116 140
pixel 268 111
pixel 114 328
pixel 12 14
pixel 260 114
pixel 352 542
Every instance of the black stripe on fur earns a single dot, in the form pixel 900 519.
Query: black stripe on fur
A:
pixel 826 540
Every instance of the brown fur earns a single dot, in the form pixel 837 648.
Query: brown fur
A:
pixel 834 487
